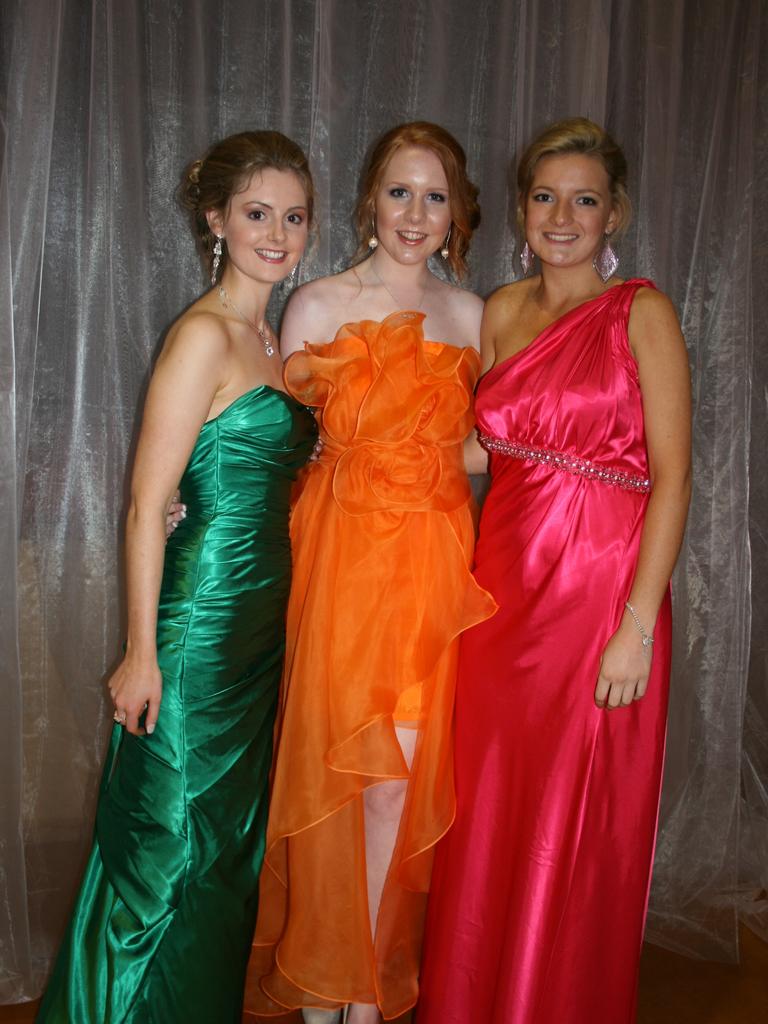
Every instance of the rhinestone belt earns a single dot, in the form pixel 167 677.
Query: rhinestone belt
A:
pixel 567 463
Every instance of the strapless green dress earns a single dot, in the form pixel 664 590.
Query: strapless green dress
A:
pixel 163 923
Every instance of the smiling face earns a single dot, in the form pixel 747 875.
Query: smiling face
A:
pixel 265 226
pixel 569 209
pixel 413 208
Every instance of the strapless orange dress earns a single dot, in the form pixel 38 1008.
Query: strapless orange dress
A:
pixel 382 536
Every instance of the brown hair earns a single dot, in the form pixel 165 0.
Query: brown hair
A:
pixel 465 211
pixel 228 166
pixel 577 135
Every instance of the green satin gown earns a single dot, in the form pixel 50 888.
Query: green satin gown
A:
pixel 163 923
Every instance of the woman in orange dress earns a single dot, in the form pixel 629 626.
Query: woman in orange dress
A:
pixel 382 536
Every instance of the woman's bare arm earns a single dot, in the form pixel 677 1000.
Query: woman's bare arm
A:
pixel 184 383
pixel 662 361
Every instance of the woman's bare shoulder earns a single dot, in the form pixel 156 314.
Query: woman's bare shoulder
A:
pixel 653 323
pixel 461 308
pixel 332 287
pixel 513 291
pixel 197 326
pixel 460 299
pixel 327 293
pixel 651 303
pixel 507 299
pixel 316 309
pixel 652 312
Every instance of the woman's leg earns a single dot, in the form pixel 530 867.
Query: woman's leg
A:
pixel 383 806
pixel 310 1015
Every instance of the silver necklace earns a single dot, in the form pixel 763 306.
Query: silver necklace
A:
pixel 419 305
pixel 266 341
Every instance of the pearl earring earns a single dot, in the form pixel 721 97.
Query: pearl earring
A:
pixel 445 252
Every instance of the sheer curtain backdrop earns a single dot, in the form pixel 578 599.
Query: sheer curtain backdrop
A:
pixel 102 105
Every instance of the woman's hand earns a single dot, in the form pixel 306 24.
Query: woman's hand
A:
pixel 624 668
pixel 133 687
pixel 177 513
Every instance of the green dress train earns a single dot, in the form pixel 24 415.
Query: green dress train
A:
pixel 163 923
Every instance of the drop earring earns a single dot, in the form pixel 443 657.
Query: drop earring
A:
pixel 290 281
pixel 372 239
pixel 217 250
pixel 606 262
pixel 445 252
pixel 526 259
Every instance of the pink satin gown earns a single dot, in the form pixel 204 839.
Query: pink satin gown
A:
pixel 540 888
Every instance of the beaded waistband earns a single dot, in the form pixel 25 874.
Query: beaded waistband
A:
pixel 567 463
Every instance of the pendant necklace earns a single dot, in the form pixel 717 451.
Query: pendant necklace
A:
pixel 266 341
pixel 419 307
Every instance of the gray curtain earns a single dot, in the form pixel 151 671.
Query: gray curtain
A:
pixel 102 105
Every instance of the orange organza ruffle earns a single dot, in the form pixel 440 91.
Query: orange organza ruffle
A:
pixel 382 536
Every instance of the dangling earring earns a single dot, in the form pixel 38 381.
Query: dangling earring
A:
pixel 445 252
pixel 606 261
pixel 216 259
pixel 526 258
pixel 373 240
pixel 288 282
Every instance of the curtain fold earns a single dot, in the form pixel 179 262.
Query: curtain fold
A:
pixel 102 106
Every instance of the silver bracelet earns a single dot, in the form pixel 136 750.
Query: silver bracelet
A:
pixel 647 638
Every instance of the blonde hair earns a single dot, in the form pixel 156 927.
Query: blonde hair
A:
pixel 465 210
pixel 227 167
pixel 582 136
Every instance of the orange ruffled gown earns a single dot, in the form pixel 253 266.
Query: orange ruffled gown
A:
pixel 382 538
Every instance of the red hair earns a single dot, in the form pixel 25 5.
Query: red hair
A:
pixel 465 210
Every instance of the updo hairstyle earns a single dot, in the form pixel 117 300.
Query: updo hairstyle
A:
pixel 577 135
pixel 465 211
pixel 226 169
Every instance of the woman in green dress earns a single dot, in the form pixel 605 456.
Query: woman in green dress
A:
pixel 162 927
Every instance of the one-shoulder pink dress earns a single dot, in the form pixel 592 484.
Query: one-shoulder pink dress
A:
pixel 540 888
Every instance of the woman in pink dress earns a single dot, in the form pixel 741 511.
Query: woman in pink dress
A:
pixel 540 889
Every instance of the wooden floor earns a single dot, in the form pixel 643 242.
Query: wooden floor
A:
pixel 676 990
pixel 673 990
